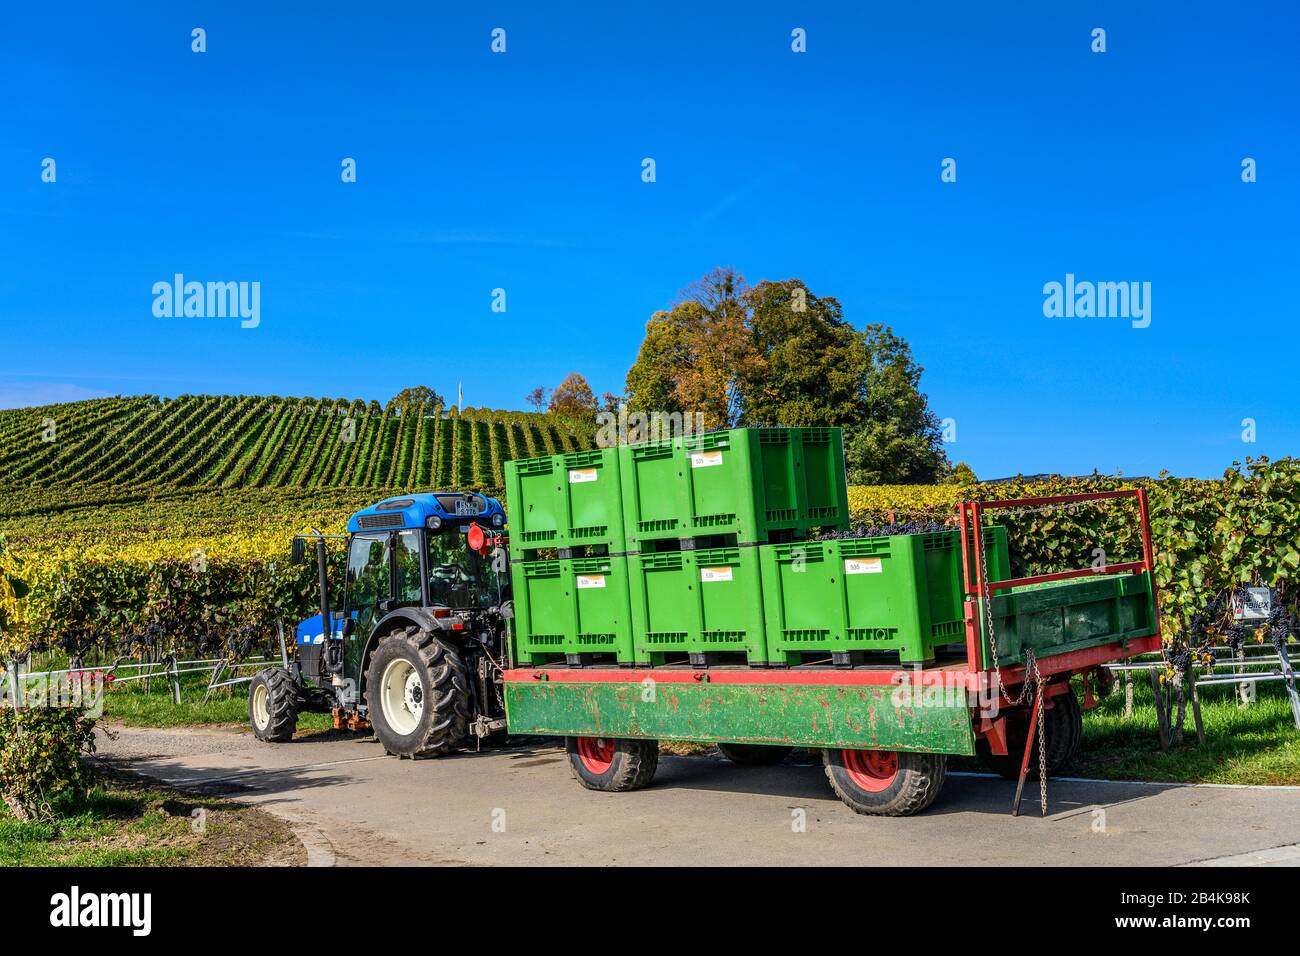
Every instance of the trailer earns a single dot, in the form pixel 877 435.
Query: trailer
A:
pixel 707 588
pixel 885 731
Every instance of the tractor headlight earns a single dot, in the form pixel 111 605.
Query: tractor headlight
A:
pixel 498 520
pixel 433 522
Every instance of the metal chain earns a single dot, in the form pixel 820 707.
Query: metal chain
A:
pixel 1042 743
pixel 1031 667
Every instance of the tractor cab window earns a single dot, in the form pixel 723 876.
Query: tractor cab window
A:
pixel 368 578
pixel 459 576
pixel 406 561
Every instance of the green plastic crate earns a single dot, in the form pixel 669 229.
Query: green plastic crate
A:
pixel 697 602
pixel 1071 615
pixel 900 594
pixel 850 596
pixel 564 501
pixel 573 606
pixel 750 482
pixel 945 586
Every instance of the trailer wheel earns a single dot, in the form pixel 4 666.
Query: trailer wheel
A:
pixel 417 695
pixel 754 755
pixel 884 782
pixel 1063 729
pixel 273 705
pixel 613 764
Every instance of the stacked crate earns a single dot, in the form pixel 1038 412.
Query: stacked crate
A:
pixel 700 549
pixel 697 512
pixel 853 598
pixel 568 569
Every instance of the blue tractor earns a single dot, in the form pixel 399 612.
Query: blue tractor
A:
pixel 416 649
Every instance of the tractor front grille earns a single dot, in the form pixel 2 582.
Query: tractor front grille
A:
pixel 368 522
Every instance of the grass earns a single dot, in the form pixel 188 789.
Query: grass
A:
pixel 126 821
pixel 131 705
pixel 1258 744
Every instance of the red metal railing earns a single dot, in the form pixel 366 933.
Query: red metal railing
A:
pixel 971 519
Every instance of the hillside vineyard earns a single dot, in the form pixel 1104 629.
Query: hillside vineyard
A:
pixel 268 442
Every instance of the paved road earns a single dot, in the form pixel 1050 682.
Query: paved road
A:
pixel 521 806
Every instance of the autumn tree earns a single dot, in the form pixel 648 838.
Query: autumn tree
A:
pixel 573 397
pixel 776 354
pixel 696 355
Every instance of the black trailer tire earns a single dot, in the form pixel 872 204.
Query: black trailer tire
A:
pixel 1063 730
pixel 754 755
pixel 613 765
pixel 273 704
pixel 417 694
pixel 885 783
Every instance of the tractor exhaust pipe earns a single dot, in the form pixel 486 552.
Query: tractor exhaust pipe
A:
pixel 333 661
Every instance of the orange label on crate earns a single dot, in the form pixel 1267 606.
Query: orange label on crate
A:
pixel 715 574
pixel 705 459
pixel 579 476
pixel 591 581
pixel 863 566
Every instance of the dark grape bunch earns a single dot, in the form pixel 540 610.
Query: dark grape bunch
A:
pixel 1216 620
pixel 885 530
pixel 158 642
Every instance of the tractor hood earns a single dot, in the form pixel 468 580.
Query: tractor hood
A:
pixel 429 509
pixel 310 631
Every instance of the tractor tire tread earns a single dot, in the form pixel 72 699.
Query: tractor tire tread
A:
pixel 282 704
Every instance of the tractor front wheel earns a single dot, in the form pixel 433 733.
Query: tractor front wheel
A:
pixel 607 763
pixel 273 705
pixel 885 782
pixel 417 694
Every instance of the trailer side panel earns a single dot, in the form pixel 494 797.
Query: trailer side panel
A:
pixel 926 720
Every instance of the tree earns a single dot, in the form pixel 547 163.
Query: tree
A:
pixel 697 355
pixel 420 399
pixel 538 398
pixel 813 366
pixel 775 354
pixel 898 438
pixel 962 474
pixel 574 397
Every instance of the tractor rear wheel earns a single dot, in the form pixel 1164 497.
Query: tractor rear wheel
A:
pixel 607 763
pixel 754 755
pixel 417 694
pixel 273 705
pixel 1062 728
pixel 884 782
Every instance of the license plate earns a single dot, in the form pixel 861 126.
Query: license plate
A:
pixel 466 507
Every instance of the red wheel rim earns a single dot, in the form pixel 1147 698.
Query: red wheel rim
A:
pixel 596 753
pixel 870 770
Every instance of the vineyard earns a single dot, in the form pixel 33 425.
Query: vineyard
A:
pixel 140 524
pixel 200 441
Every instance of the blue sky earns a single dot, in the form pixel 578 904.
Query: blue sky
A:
pixel 522 171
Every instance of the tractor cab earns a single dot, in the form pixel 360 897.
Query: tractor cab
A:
pixel 425 598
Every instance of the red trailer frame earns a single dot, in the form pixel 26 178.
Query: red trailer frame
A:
pixel 970 519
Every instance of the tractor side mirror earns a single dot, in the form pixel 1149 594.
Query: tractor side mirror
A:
pixel 298 554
